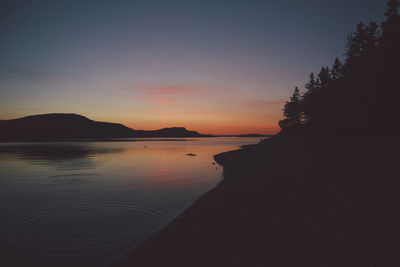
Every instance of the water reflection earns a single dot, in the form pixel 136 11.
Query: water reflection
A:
pixel 85 204
pixel 59 155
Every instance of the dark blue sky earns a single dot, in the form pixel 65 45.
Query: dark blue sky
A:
pixel 221 66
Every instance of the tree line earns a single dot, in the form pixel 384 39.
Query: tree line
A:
pixel 360 95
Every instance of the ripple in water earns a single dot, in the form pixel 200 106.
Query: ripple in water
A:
pixel 83 228
pixel 77 181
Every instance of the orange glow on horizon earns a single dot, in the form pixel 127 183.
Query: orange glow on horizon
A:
pixel 201 109
pixel 212 129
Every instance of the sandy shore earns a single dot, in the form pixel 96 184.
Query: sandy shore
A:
pixel 290 202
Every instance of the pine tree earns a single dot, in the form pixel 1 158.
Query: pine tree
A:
pixel 292 110
pixel 311 86
pixel 354 42
pixel 359 96
pixel 337 70
pixel 392 6
pixel 372 37
pixel 324 77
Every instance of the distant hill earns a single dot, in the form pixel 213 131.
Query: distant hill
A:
pixel 60 126
pixel 169 132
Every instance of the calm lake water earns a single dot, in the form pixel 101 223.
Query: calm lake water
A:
pixel 88 203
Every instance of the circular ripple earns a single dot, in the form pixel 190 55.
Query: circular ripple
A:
pixel 87 227
pixel 75 182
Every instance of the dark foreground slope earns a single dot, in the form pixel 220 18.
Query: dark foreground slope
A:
pixel 290 202
pixel 59 126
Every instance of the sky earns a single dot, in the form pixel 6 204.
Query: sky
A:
pixel 218 67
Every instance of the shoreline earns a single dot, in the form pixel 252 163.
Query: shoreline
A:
pixel 127 139
pixel 290 201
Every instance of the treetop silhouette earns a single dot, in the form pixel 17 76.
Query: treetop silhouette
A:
pixel 358 96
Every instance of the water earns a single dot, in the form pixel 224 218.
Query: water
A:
pixel 88 203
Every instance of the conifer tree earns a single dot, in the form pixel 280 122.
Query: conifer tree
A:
pixel 392 6
pixel 337 70
pixel 360 95
pixel 292 110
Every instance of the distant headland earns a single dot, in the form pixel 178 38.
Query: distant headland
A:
pixel 70 126
pixel 62 126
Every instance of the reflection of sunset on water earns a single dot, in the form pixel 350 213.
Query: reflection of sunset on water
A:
pixel 106 196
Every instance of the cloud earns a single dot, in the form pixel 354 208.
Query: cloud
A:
pixel 164 95
pixel 160 90
pixel 177 96
pixel 160 100
pixel 161 94
pixel 174 89
pixel 263 103
pixel 165 90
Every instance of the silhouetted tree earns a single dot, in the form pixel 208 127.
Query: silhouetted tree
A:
pixel 324 77
pixel 354 41
pixel 309 99
pixel 337 70
pixel 292 110
pixel 363 40
pixel 392 6
pixel 390 28
pixel 358 96
pixel 311 86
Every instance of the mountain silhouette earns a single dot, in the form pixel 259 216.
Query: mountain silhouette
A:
pixel 59 126
pixel 169 132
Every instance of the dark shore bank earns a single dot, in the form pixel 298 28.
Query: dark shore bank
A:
pixel 290 202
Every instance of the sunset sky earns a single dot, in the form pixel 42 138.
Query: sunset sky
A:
pixel 219 67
